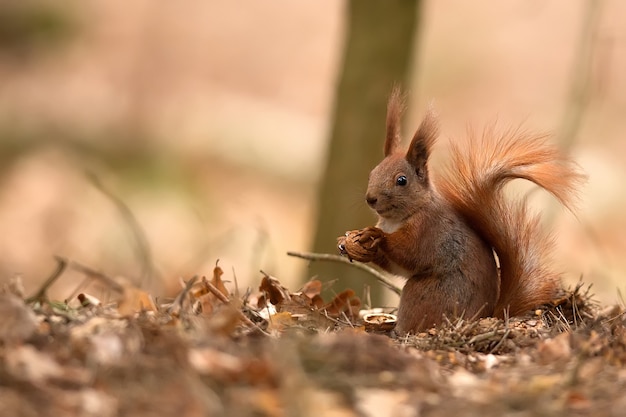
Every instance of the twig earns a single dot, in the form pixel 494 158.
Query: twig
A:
pixel 236 283
pixel 507 328
pixel 218 294
pixel 177 305
pixel 337 258
pixel 484 336
pixel 97 275
pixel 324 313
pixel 41 293
pixel 501 342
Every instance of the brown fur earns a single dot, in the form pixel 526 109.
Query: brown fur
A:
pixel 474 187
pixel 395 107
pixel 440 235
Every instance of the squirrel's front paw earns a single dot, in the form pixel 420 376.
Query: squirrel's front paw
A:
pixel 360 245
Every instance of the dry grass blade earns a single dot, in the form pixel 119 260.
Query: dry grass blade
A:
pixel 573 309
pixel 461 335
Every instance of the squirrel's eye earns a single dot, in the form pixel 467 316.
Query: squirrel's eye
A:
pixel 401 180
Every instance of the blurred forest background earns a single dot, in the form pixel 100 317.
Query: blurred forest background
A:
pixel 146 139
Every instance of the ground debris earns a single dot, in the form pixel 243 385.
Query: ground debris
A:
pixel 274 352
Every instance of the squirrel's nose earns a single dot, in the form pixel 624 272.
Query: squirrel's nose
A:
pixel 371 200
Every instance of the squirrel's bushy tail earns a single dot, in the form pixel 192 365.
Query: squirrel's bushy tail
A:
pixel 474 185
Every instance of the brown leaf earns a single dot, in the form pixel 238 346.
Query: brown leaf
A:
pixel 224 320
pixel 217 280
pixel 355 307
pixel 344 302
pixel 261 302
pixel 298 301
pixel 317 302
pixel 312 288
pixel 134 300
pixel 208 303
pixel 274 290
pixel 209 300
pixel 279 321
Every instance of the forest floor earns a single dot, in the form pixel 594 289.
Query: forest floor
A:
pixel 274 352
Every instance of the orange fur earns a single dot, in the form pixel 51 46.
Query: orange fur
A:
pixel 440 235
pixel 474 185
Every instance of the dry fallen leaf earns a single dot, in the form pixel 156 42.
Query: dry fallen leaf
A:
pixel 278 321
pixel 274 290
pixel 134 300
pixel 207 299
pixel 225 320
pixel 345 302
pixel 217 280
pixel 312 288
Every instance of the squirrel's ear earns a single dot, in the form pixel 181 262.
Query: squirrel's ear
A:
pixel 395 106
pixel 422 143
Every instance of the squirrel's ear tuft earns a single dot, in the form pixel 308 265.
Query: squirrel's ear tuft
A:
pixel 395 107
pixel 422 143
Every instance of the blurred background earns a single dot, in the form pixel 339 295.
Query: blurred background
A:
pixel 150 140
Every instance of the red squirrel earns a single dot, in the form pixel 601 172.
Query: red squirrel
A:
pixel 441 233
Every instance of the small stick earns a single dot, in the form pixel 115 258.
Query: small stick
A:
pixel 360 265
pixel 41 293
pixel 177 304
pixel 91 273
pixel 217 293
pixel 485 336
pixel 504 337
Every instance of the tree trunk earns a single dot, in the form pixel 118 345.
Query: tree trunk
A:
pixel 378 55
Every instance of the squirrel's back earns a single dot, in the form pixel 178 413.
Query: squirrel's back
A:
pixel 474 186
